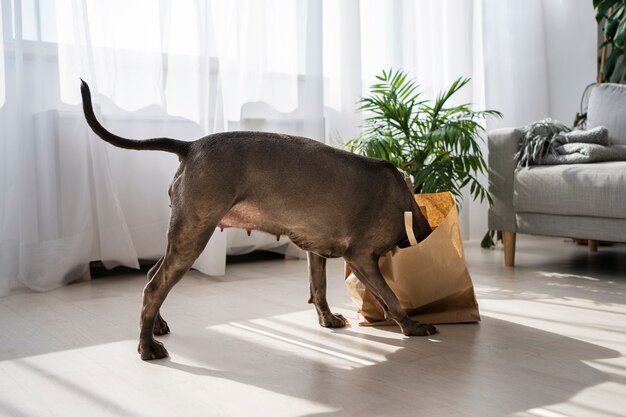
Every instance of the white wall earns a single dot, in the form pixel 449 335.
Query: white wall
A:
pixel 571 43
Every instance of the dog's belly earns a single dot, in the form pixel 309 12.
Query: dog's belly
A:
pixel 249 216
pixel 244 215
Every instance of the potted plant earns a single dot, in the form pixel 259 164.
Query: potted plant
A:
pixel 612 51
pixel 436 143
pixel 611 17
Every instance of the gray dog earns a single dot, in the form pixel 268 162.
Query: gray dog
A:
pixel 329 202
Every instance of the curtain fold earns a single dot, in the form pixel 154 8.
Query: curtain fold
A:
pixel 188 68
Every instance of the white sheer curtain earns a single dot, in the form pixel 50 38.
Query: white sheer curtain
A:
pixel 187 68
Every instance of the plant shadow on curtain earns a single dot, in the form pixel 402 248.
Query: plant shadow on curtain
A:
pixel 185 69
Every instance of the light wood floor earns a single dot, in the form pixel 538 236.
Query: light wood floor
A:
pixel 552 343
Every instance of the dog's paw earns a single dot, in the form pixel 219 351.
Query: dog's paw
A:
pixel 430 329
pixel 152 350
pixel 333 321
pixel 160 327
pixel 417 329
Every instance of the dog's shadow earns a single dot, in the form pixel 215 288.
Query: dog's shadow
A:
pixel 191 369
pixel 350 371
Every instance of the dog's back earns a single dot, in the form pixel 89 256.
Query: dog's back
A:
pixel 299 187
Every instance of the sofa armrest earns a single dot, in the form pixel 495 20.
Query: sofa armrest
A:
pixel 502 144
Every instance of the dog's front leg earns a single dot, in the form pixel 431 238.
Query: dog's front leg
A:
pixel 366 269
pixel 317 282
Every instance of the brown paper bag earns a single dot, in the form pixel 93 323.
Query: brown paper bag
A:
pixel 429 278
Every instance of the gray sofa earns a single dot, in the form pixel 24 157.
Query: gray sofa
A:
pixel 583 201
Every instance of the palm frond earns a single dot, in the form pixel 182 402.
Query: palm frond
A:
pixel 437 144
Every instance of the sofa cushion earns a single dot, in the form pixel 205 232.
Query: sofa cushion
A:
pixel 597 190
pixel 607 107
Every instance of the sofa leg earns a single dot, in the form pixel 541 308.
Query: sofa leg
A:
pixel 593 245
pixel 508 238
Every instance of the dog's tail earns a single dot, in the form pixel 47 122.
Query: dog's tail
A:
pixel 178 147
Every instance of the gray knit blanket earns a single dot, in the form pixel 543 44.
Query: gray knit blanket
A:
pixel 548 142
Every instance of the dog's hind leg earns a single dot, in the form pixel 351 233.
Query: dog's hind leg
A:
pixel 187 237
pixel 366 270
pixel 160 325
pixel 317 282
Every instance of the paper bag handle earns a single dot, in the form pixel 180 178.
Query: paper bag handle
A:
pixel 408 227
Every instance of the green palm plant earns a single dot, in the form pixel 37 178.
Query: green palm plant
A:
pixel 613 49
pixel 437 144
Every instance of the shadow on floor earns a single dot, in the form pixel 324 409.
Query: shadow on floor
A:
pixel 526 367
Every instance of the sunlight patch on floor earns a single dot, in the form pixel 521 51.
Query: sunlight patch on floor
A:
pixel 111 379
pixel 594 401
pixel 283 333
pixel 309 346
pixel 567 276
pixel 541 412
pixel 567 317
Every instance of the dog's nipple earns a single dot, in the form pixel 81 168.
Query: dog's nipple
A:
pixel 221 229
pixel 248 231
pixel 277 238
